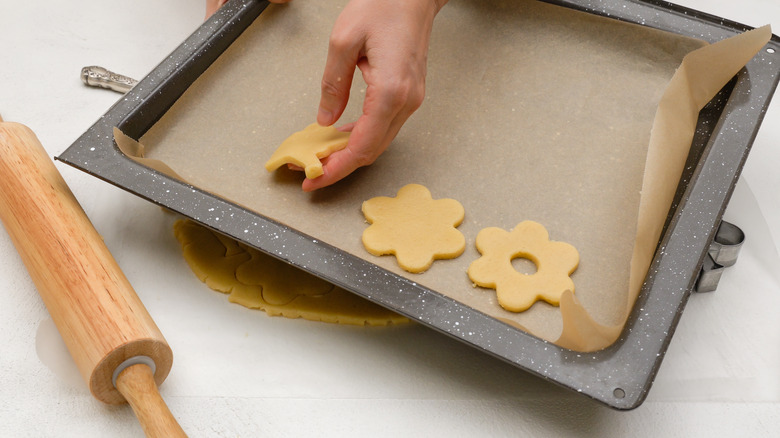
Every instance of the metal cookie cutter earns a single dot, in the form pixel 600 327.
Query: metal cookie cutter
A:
pixel 723 253
pixel 96 76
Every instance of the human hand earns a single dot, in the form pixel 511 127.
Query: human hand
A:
pixel 388 41
pixel 213 5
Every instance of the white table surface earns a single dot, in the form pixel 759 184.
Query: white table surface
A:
pixel 240 373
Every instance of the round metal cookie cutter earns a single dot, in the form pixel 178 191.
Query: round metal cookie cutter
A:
pixel 723 252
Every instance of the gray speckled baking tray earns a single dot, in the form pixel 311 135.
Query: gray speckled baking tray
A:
pixel 619 376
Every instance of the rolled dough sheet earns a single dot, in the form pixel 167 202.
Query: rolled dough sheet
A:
pixel 532 112
pixel 259 281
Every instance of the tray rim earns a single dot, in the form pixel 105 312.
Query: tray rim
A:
pixel 626 368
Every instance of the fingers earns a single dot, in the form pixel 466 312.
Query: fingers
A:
pixel 343 54
pixel 339 164
pixel 392 96
pixel 335 167
pixel 370 137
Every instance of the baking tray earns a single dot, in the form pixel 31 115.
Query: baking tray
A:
pixel 619 376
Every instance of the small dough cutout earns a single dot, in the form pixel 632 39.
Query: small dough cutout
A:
pixel 258 281
pixel 305 148
pixel 414 227
pixel 555 261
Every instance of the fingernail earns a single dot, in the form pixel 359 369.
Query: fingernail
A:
pixel 324 117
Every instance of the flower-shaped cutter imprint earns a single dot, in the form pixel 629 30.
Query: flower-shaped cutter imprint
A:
pixel 259 281
pixel 516 291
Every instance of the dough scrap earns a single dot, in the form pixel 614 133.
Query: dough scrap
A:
pixel 414 227
pixel 555 262
pixel 305 148
pixel 258 281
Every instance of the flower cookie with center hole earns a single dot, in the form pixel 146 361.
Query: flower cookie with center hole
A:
pixel 305 148
pixel 555 261
pixel 414 227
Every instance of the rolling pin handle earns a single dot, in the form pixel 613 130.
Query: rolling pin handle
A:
pixel 136 383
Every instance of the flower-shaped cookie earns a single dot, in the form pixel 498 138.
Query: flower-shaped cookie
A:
pixel 516 291
pixel 414 227
pixel 305 148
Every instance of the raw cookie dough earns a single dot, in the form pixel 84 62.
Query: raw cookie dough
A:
pixel 258 281
pixel 516 291
pixel 305 148
pixel 414 227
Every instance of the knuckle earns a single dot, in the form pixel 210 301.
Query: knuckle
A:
pixel 340 40
pixel 363 157
pixel 406 94
pixel 416 97
pixel 330 87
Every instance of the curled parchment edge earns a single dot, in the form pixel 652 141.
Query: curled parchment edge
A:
pixel 135 151
pixel 700 76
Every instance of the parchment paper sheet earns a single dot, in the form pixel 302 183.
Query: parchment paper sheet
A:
pixel 532 112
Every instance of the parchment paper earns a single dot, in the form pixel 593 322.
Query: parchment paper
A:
pixel 532 112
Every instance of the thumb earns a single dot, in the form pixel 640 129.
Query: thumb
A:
pixel 335 167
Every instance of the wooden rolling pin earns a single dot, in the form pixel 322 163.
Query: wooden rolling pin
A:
pixel 116 345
